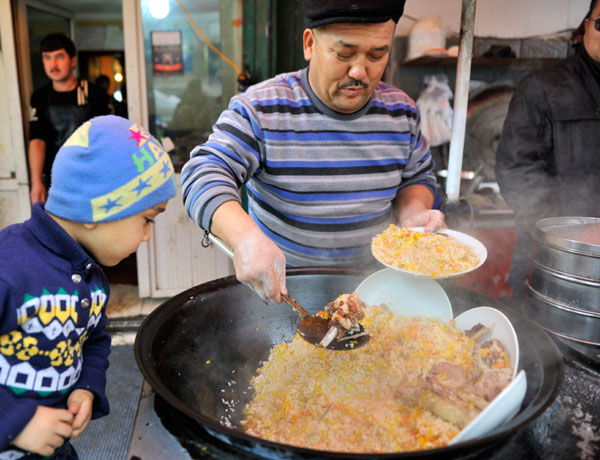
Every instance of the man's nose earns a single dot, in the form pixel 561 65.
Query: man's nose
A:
pixel 358 70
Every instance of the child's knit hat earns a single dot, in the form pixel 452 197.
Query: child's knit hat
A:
pixel 109 169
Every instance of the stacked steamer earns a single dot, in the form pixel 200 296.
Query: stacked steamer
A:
pixel 564 281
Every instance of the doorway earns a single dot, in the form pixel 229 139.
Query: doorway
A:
pixel 96 29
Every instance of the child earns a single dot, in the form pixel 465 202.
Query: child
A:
pixel 110 179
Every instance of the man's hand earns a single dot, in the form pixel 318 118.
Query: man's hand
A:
pixel 38 192
pixel 260 265
pixel 46 431
pixel 431 219
pixel 258 262
pixel 413 209
pixel 80 405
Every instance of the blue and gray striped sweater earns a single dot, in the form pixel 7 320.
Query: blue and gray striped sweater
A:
pixel 320 183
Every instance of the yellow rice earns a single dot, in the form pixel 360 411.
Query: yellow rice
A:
pixel 347 401
pixel 431 254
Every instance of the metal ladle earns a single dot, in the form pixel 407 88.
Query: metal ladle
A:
pixel 314 329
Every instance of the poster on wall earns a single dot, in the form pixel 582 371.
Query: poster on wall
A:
pixel 167 55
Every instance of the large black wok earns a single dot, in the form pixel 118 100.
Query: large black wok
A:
pixel 197 344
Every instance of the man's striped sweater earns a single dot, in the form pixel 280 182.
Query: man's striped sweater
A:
pixel 320 183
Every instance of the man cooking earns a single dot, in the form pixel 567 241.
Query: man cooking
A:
pixel 330 154
pixel 548 158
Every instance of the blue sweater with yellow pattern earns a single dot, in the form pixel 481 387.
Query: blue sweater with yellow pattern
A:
pixel 52 319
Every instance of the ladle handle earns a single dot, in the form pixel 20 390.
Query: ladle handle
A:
pixel 221 245
pixel 289 299
pixel 294 303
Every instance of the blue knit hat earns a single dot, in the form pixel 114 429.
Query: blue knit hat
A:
pixel 109 169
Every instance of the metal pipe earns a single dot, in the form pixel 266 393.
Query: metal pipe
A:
pixel 461 99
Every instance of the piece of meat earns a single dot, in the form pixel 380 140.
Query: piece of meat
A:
pixel 409 394
pixel 458 394
pixel 491 383
pixel 455 411
pixel 345 312
pixel 493 354
pixel 443 377
pixel 477 331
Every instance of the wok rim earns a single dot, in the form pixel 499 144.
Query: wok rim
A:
pixel 543 397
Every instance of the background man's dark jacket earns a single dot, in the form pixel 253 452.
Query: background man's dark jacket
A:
pixel 548 159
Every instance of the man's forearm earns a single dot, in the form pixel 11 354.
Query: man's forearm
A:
pixel 36 156
pixel 231 223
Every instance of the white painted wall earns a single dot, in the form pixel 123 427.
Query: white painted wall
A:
pixel 14 192
pixel 501 18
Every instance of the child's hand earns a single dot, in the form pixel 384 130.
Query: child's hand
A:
pixel 47 430
pixel 80 405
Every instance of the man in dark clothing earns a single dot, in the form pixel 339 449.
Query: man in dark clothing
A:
pixel 548 159
pixel 57 109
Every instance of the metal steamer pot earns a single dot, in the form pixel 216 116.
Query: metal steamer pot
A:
pixel 199 350
pixel 564 281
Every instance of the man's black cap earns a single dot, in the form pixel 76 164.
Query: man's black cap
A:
pixel 323 12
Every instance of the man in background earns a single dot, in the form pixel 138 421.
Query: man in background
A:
pixel 58 109
pixel 548 159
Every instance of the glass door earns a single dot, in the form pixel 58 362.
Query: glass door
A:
pixel 180 57
pixel 185 77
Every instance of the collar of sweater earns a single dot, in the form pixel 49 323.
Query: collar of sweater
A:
pixel 52 236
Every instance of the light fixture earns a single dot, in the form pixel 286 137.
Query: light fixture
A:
pixel 119 77
pixel 159 9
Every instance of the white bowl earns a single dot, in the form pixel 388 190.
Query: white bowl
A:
pixel 500 328
pixel 507 404
pixel 472 243
pixel 405 295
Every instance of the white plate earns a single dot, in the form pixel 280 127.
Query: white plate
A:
pixel 474 244
pixel 405 295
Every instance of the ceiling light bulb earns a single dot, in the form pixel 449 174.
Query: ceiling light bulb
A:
pixel 159 9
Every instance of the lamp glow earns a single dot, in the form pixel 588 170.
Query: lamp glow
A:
pixel 159 9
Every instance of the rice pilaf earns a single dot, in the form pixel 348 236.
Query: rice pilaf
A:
pixel 364 400
pixel 433 254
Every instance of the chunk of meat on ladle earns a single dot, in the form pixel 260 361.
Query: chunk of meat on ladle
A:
pixel 337 327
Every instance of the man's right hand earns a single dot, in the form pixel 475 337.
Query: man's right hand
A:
pixel 258 262
pixel 260 265
pixel 46 431
pixel 38 192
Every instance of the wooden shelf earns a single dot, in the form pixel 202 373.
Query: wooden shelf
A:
pixel 480 61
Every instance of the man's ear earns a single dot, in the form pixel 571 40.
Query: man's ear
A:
pixel 73 63
pixel 90 226
pixel 308 42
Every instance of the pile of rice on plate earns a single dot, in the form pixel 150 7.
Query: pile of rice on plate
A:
pixel 432 254
pixel 357 401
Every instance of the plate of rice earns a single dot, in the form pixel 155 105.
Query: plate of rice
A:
pixel 442 254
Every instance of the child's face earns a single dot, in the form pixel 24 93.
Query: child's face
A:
pixel 111 242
